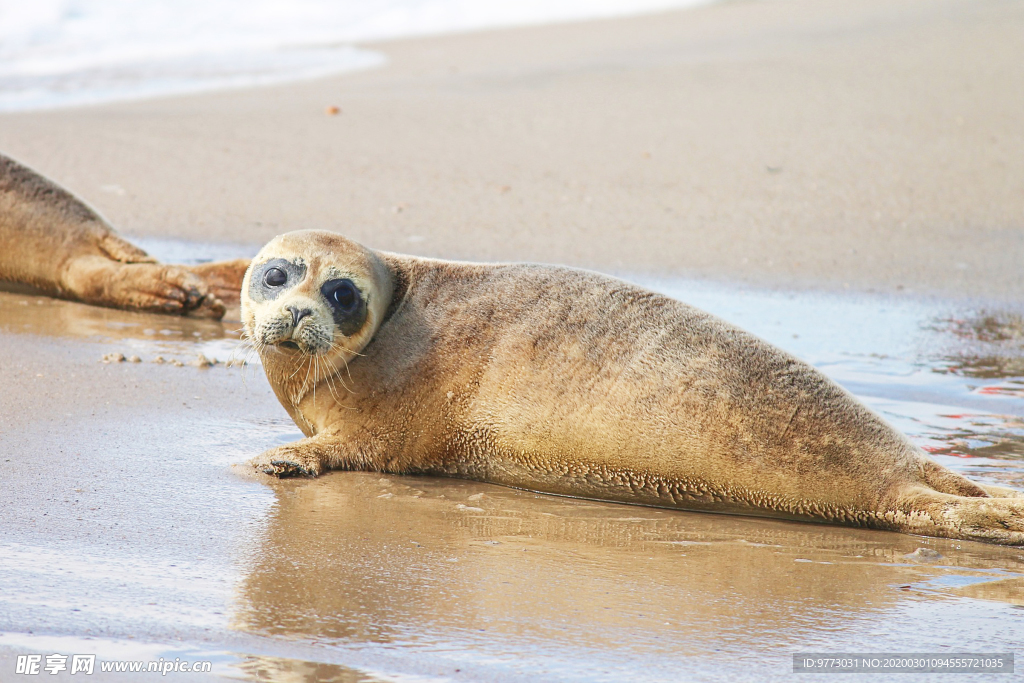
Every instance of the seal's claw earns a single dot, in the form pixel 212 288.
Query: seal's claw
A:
pixel 208 306
pixel 284 462
pixel 284 469
pixel 184 293
pixel 223 278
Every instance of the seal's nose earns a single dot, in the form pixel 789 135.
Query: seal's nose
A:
pixel 297 314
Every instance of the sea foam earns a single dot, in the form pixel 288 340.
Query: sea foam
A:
pixel 56 53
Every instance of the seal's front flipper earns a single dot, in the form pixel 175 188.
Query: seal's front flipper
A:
pixel 303 458
pixel 315 455
pixel 149 287
pixel 223 278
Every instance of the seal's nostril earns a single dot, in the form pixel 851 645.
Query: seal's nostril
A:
pixel 298 314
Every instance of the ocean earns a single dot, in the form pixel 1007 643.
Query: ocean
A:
pixel 57 53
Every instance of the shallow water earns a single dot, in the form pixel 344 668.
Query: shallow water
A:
pixel 129 534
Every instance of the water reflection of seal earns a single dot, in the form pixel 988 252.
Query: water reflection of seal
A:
pixel 570 382
pixel 53 241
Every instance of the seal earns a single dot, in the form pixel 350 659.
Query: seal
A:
pixel 55 242
pixel 569 382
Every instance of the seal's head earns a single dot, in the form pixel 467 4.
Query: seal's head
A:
pixel 314 293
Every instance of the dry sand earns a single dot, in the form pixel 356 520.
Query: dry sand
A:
pixel 875 144
pixel 793 143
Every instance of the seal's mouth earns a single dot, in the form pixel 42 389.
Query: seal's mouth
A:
pixel 289 345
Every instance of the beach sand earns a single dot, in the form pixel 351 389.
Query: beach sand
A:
pixel 818 146
pixel 873 144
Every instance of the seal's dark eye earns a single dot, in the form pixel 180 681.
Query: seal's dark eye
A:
pixel 342 295
pixel 274 277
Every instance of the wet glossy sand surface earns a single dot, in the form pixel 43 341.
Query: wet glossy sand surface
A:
pixel 128 532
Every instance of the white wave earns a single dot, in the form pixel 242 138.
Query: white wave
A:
pixel 63 52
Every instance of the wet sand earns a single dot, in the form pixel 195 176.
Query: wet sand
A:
pixel 797 146
pixel 130 530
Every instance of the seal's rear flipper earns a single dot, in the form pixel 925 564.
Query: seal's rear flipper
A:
pixel 991 520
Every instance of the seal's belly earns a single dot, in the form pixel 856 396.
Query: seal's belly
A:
pixel 672 476
pixel 594 481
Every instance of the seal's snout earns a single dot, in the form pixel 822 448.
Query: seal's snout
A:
pixel 298 314
pixel 300 324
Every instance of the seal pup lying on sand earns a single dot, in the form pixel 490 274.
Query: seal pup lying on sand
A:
pixel 569 382
pixel 53 241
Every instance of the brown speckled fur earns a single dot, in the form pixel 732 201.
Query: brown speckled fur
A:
pixel 569 382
